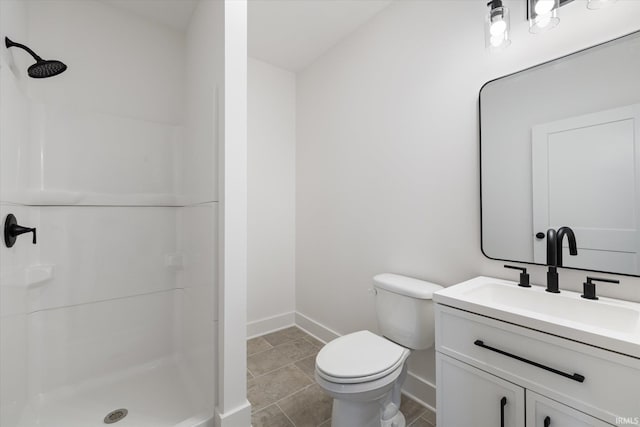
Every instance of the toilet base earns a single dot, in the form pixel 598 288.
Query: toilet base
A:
pixel 383 411
pixel 397 421
pixel 345 414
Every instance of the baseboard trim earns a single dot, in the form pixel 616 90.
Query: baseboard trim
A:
pixel 270 324
pixel 238 417
pixel 315 329
pixel 415 387
pixel 423 392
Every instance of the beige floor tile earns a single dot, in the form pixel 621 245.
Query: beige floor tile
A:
pixel 325 424
pixel 297 350
pixel 411 409
pixel 256 345
pixel 307 408
pixel 429 416
pixel 314 341
pixel 308 365
pixel 281 337
pixel 267 389
pixel 271 416
pixel 266 361
pixel 249 376
pixel 421 422
pixel 279 356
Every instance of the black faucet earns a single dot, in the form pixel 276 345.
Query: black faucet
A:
pixel 573 248
pixel 554 254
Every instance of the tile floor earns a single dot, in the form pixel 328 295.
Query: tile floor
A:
pixel 282 389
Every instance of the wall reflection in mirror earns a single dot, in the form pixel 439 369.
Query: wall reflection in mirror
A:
pixel 560 147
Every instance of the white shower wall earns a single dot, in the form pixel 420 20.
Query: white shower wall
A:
pixel 122 282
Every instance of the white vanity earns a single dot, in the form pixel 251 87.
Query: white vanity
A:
pixel 508 356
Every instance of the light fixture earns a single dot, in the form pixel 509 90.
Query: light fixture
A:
pixel 497 26
pixel 542 15
pixel 599 4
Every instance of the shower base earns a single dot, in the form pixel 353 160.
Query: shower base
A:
pixel 155 395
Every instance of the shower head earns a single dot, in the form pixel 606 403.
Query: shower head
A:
pixel 42 68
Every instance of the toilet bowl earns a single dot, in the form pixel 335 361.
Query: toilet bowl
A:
pixel 364 372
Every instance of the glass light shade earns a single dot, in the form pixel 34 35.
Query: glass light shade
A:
pixel 543 15
pixel 543 7
pixel 497 28
pixel 599 4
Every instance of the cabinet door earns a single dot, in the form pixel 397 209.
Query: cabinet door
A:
pixel 544 412
pixel 467 396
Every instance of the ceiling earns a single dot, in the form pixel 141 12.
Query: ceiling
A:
pixel 174 13
pixel 291 34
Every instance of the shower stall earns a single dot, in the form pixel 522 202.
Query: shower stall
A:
pixel 112 294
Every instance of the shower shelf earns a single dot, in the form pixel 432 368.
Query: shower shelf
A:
pixel 36 275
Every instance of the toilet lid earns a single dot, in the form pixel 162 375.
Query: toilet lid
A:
pixel 360 356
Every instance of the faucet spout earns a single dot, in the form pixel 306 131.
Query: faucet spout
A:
pixel 552 247
pixel 573 247
pixel 552 261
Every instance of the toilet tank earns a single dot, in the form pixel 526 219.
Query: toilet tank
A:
pixel 404 308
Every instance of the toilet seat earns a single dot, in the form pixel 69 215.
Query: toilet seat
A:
pixel 358 358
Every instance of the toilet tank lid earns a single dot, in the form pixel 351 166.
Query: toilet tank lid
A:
pixel 404 285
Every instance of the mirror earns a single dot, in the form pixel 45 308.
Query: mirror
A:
pixel 560 146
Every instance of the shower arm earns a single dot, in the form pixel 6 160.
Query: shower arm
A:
pixel 10 43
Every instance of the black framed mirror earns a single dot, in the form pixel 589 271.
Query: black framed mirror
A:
pixel 560 146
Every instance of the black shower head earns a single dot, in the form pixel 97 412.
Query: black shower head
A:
pixel 42 68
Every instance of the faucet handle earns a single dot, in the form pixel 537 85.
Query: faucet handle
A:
pixel 12 230
pixel 524 276
pixel 589 288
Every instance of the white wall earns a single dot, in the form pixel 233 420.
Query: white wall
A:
pixel 387 152
pixel 271 197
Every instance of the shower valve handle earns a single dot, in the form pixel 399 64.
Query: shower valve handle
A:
pixel 12 230
pixel 17 230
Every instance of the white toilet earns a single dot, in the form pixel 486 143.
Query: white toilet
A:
pixel 364 372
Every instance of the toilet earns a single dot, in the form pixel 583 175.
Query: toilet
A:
pixel 364 372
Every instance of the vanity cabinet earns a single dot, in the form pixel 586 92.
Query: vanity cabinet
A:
pixel 469 395
pixel 544 412
pixel 545 378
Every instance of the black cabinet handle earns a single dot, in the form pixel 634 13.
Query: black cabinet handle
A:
pixel 503 403
pixel 576 377
pixel 547 422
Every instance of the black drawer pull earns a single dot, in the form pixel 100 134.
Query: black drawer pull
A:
pixel 503 403
pixel 547 422
pixel 576 377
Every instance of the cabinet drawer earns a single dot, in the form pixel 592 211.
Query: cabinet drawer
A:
pixel 543 363
pixel 544 412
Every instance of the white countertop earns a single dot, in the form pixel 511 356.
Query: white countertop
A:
pixel 606 323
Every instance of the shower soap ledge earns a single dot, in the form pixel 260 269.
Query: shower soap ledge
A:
pixel 38 274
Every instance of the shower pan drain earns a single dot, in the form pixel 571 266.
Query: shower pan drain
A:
pixel 115 416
